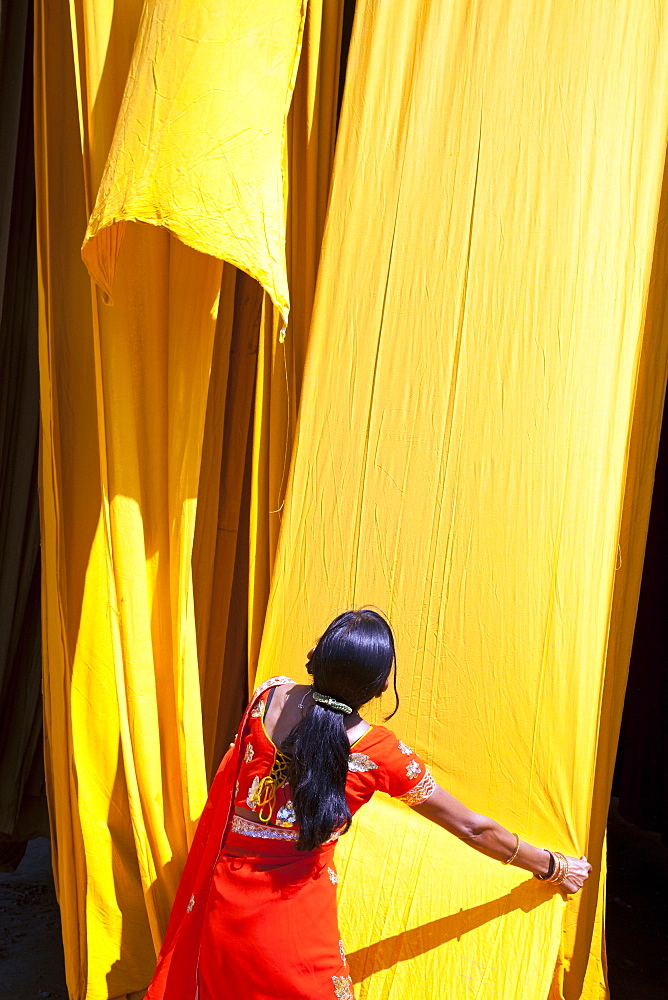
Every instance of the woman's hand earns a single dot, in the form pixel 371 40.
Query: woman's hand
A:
pixel 578 873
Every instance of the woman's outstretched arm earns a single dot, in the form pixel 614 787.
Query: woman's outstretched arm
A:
pixel 492 839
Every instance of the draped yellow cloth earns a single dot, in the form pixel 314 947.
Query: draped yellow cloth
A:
pixel 199 147
pixel 124 399
pixel 478 426
pixel 478 421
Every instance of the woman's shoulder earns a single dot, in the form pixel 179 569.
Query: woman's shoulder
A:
pixel 384 740
pixel 271 682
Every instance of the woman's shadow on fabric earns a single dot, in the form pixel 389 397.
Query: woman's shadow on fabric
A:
pixel 409 944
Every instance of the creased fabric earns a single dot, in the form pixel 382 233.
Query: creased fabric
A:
pixel 475 451
pixel 253 402
pixel 123 402
pixel 199 147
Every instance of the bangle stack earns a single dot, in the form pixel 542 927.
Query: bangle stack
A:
pixel 514 854
pixel 558 870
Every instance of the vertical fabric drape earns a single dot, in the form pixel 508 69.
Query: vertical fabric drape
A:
pixel 253 402
pixel 124 392
pixel 475 451
pixel 311 138
pixel 22 793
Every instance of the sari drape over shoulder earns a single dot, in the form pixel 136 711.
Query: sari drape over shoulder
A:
pixel 254 917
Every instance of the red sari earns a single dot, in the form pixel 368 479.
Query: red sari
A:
pixel 254 918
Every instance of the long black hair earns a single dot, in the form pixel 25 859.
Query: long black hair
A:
pixel 351 662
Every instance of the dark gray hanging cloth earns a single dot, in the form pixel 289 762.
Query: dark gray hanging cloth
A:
pixel 23 811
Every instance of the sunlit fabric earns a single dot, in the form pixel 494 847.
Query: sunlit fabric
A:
pixel 252 406
pixel 477 435
pixel 125 397
pixel 311 135
pixel 199 147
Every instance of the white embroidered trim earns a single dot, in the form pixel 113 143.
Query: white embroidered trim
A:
pixel 421 791
pixel 250 829
pixel 333 877
pixel 404 749
pixel 413 769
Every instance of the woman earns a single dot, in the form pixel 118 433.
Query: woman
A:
pixel 255 914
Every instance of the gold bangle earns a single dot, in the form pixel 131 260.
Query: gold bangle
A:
pixel 515 852
pixel 561 869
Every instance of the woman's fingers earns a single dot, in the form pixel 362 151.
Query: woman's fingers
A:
pixel 578 873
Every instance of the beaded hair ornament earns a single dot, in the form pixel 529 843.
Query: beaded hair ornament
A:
pixel 329 702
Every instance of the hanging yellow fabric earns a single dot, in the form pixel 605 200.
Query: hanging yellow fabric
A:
pixel 123 398
pixel 474 455
pixel 200 142
pixel 252 407
pixel 311 137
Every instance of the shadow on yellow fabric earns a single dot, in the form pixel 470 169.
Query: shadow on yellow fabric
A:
pixel 475 452
pixel 252 407
pixel 124 393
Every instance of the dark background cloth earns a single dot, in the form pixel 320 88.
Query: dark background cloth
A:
pixel 23 812
pixel 641 774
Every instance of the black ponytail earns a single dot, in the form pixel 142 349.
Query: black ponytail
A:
pixel 351 663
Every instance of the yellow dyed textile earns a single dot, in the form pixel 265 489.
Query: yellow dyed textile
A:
pixel 475 449
pixel 199 147
pixel 124 393
pixel 311 135
pixel 252 406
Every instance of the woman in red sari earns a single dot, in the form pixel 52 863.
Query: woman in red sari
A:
pixel 255 914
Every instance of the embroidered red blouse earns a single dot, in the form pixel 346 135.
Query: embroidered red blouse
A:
pixel 378 761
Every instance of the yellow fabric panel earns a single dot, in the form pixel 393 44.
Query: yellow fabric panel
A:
pixel 310 152
pixel 200 142
pixel 480 377
pixel 124 392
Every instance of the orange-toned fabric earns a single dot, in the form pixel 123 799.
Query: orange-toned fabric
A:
pixel 255 917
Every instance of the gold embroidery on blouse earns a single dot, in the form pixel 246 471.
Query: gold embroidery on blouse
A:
pixel 191 903
pixel 343 988
pixel 252 797
pixel 286 815
pixel 404 749
pixel 333 877
pixel 250 753
pixel 361 762
pixel 265 793
pixel 413 769
pixel 421 791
